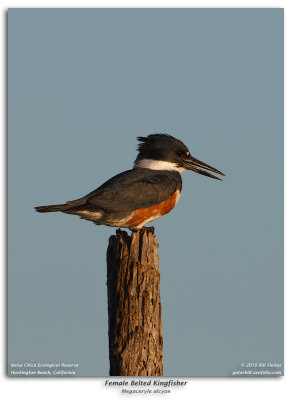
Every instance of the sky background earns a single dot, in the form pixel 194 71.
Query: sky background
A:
pixel 82 85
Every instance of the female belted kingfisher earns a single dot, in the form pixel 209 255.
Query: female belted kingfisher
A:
pixel 146 192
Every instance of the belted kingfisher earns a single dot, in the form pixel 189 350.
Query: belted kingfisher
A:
pixel 150 190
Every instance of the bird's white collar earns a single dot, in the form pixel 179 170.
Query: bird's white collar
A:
pixel 159 165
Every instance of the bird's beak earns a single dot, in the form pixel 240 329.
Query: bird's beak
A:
pixel 192 163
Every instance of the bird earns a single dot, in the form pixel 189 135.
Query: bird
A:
pixel 144 193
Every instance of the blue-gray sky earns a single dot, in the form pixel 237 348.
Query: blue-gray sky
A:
pixel 83 83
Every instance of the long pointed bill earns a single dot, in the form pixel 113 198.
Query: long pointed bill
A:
pixel 192 164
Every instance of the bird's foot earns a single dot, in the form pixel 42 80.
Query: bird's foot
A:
pixel 147 229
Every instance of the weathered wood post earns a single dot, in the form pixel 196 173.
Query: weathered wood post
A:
pixel 134 306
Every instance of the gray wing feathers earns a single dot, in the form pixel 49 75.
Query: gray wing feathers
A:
pixel 134 189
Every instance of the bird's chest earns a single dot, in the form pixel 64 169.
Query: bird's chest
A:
pixel 141 216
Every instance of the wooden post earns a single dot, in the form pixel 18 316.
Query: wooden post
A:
pixel 134 306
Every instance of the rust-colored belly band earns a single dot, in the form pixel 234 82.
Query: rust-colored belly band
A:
pixel 144 215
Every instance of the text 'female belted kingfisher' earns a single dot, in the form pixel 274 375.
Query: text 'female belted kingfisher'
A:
pixel 146 192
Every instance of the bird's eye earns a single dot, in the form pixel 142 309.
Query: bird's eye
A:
pixel 181 153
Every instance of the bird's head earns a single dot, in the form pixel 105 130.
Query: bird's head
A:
pixel 161 151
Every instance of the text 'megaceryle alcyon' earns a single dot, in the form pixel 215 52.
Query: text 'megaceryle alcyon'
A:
pixel 151 189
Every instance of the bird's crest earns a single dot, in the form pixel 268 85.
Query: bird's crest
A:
pixel 151 139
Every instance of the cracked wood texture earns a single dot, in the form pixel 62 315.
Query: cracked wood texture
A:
pixel 134 306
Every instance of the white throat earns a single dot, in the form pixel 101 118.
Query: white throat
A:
pixel 159 165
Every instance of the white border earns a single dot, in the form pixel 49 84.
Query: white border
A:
pixel 198 388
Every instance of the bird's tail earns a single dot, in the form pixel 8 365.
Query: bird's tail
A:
pixel 53 208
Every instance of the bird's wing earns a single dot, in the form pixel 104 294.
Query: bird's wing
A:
pixel 134 189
